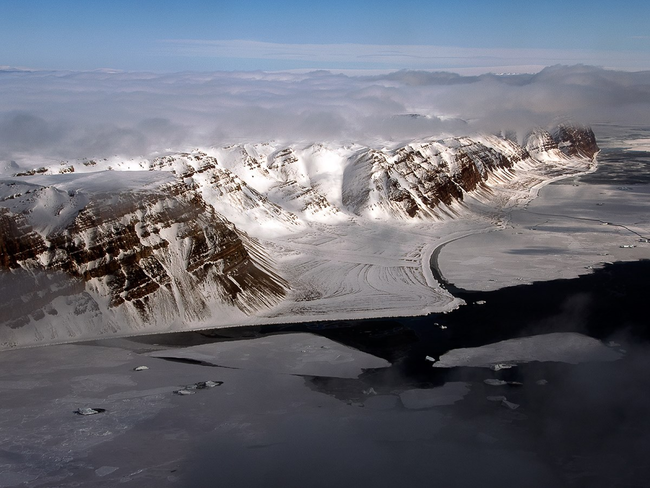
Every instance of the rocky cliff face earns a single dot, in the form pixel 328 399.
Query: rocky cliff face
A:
pixel 19 241
pixel 132 260
pixel 422 180
pixel 576 141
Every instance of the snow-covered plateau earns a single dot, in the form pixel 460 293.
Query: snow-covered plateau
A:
pixel 256 233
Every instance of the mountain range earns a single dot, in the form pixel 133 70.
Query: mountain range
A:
pixel 254 233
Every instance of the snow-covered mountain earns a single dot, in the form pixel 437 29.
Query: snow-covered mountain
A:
pixel 252 233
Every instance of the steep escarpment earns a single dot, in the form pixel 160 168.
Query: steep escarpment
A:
pixel 223 189
pixel 132 245
pixel 423 180
pixel 19 241
pixel 576 141
pixel 136 259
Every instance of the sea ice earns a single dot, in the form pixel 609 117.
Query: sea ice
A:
pixel 105 470
pixel 448 394
pixel 570 234
pixel 568 347
pixel 89 411
pixel 300 353
pixel 500 366
pixel 184 392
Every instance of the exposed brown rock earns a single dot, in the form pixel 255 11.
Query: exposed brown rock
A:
pixel 116 243
pixel 576 141
pixel 419 183
pixel 18 241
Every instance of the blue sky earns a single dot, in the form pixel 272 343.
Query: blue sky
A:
pixel 169 36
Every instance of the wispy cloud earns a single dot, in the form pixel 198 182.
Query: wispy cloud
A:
pixel 59 114
pixel 396 56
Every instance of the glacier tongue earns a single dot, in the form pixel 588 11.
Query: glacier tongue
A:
pixel 254 233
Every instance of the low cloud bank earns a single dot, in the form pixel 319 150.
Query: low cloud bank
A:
pixel 61 115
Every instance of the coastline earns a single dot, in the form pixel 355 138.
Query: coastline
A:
pixel 533 194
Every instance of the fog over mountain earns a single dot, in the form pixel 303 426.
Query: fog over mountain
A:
pixel 60 114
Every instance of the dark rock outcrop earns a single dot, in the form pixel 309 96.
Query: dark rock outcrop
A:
pixel 576 141
pixel 18 241
pixel 418 180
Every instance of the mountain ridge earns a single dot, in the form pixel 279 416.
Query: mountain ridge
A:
pixel 187 239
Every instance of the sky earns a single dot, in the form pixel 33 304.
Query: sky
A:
pixel 202 35
pixel 94 78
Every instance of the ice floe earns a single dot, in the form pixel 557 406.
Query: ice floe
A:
pixel 567 347
pixel 300 353
pixel 447 394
